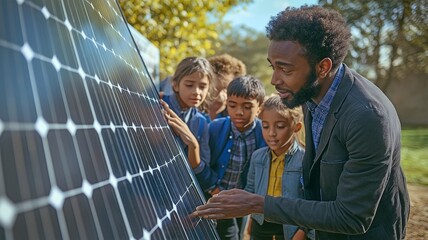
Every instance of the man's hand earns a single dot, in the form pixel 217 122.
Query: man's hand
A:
pixel 299 235
pixel 229 204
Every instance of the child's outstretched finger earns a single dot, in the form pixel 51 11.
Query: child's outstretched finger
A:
pixel 163 103
pixel 168 110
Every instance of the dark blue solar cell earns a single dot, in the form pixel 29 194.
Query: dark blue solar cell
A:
pixel 76 97
pixel 16 88
pixel 50 92
pixel 23 162
pixel 40 223
pixel 139 206
pixel 109 214
pixel 79 218
pixel 64 159
pixel 92 155
pixel 96 94
pixel 10 25
pixel 114 153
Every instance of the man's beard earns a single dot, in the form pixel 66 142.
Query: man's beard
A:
pixel 308 91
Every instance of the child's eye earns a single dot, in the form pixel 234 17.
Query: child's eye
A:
pixel 248 107
pixel 188 85
pixel 265 126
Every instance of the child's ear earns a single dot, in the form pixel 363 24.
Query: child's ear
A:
pixel 174 85
pixel 298 127
pixel 259 109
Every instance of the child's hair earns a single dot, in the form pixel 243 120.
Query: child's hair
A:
pixel 225 64
pixel 296 114
pixel 247 87
pixel 190 65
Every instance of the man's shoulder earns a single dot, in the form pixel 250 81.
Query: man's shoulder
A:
pixel 357 94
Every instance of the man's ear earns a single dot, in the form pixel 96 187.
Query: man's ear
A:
pixel 324 67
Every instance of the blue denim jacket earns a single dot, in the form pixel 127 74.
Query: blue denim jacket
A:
pixel 292 185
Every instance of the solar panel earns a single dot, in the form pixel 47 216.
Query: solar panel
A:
pixel 84 150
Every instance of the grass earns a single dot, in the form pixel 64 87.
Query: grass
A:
pixel 414 155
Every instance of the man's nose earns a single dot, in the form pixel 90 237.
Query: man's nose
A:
pixel 274 80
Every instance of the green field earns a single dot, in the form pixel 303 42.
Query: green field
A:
pixel 414 155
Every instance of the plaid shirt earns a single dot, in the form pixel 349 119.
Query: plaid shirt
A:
pixel 244 145
pixel 319 112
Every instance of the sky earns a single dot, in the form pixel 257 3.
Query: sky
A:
pixel 257 14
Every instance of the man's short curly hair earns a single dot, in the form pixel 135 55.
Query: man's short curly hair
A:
pixel 321 32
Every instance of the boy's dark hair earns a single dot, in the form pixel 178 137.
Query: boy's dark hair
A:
pixel 247 87
pixel 321 32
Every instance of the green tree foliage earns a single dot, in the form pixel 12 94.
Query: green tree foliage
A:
pixel 179 28
pixel 390 38
pixel 250 46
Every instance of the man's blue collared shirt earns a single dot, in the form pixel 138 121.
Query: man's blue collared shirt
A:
pixel 319 112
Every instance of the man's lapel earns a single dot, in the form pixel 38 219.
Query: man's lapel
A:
pixel 309 148
pixel 329 124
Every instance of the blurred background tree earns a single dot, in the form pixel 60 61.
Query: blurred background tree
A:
pixel 390 38
pixel 178 28
pixel 250 46
pixel 390 47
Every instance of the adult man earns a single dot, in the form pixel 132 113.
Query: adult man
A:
pixel 354 185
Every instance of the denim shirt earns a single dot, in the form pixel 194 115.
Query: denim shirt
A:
pixel 319 112
pixel 292 187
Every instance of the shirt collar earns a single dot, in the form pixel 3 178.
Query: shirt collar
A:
pixel 237 133
pixel 328 98
pixel 293 148
pixel 275 158
pixel 184 114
